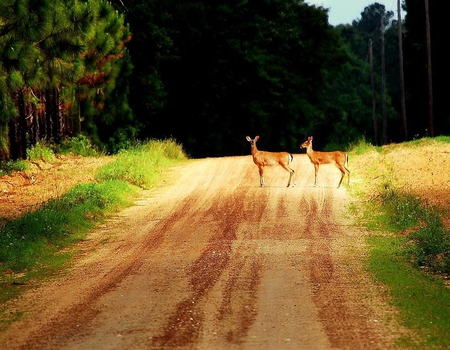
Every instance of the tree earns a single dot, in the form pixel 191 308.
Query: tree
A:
pixel 48 47
pixel 416 76
pixel 100 95
pixel 232 68
pixel 376 27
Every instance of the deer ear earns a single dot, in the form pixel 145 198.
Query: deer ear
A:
pixel 248 138
pixel 256 137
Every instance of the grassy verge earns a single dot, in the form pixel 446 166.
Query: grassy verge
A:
pixel 34 245
pixel 409 253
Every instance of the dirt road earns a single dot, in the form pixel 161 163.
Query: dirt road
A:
pixel 212 261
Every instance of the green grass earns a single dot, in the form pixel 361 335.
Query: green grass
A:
pixel 36 244
pixel 422 299
pixel 142 164
pixel 362 146
pixel 8 167
pixel 409 253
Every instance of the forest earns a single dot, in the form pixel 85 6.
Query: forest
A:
pixel 209 73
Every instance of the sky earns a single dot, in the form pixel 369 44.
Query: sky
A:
pixel 345 11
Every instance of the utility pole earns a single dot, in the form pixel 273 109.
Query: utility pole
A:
pixel 430 84
pixel 402 77
pixel 374 101
pixel 383 82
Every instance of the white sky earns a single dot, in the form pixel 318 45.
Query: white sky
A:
pixel 345 11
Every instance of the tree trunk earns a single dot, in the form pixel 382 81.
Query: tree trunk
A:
pixel 13 149
pixel 56 132
pixel 429 70
pixel 402 77
pixel 374 100
pixel 48 115
pixel 22 134
pixel 383 84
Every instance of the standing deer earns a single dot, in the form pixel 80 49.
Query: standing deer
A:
pixel 340 159
pixel 263 158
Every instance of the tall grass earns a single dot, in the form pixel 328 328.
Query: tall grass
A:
pixel 428 240
pixel 142 164
pixel 41 151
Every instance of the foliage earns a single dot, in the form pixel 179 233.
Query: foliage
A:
pixel 416 68
pixel 443 139
pixel 428 240
pixel 234 69
pixel 78 145
pixel 405 210
pixel 41 151
pixel 140 164
pixel 55 76
pixel 362 146
pixel 362 99
pixel 120 72
pixel 7 167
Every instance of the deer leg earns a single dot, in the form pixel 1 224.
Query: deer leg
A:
pixel 261 177
pixel 348 175
pixel 291 174
pixel 342 175
pixel 316 170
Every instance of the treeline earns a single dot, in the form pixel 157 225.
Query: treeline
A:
pixel 209 73
pixel 60 65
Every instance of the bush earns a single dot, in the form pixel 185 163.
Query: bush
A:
pixel 429 242
pixel 8 167
pixel 78 145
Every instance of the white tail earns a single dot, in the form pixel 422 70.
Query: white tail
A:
pixel 262 159
pixel 340 159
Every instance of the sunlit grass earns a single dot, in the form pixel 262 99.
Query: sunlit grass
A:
pixel 362 146
pixel 142 164
pixel 41 151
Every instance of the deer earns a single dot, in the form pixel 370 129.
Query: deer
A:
pixel 264 158
pixel 338 158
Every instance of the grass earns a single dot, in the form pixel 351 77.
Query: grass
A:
pixel 11 166
pixel 34 245
pixel 142 164
pixel 422 299
pixel 409 251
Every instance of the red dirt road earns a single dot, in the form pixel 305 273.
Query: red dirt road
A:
pixel 212 261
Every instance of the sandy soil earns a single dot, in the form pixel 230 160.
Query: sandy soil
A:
pixel 210 260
